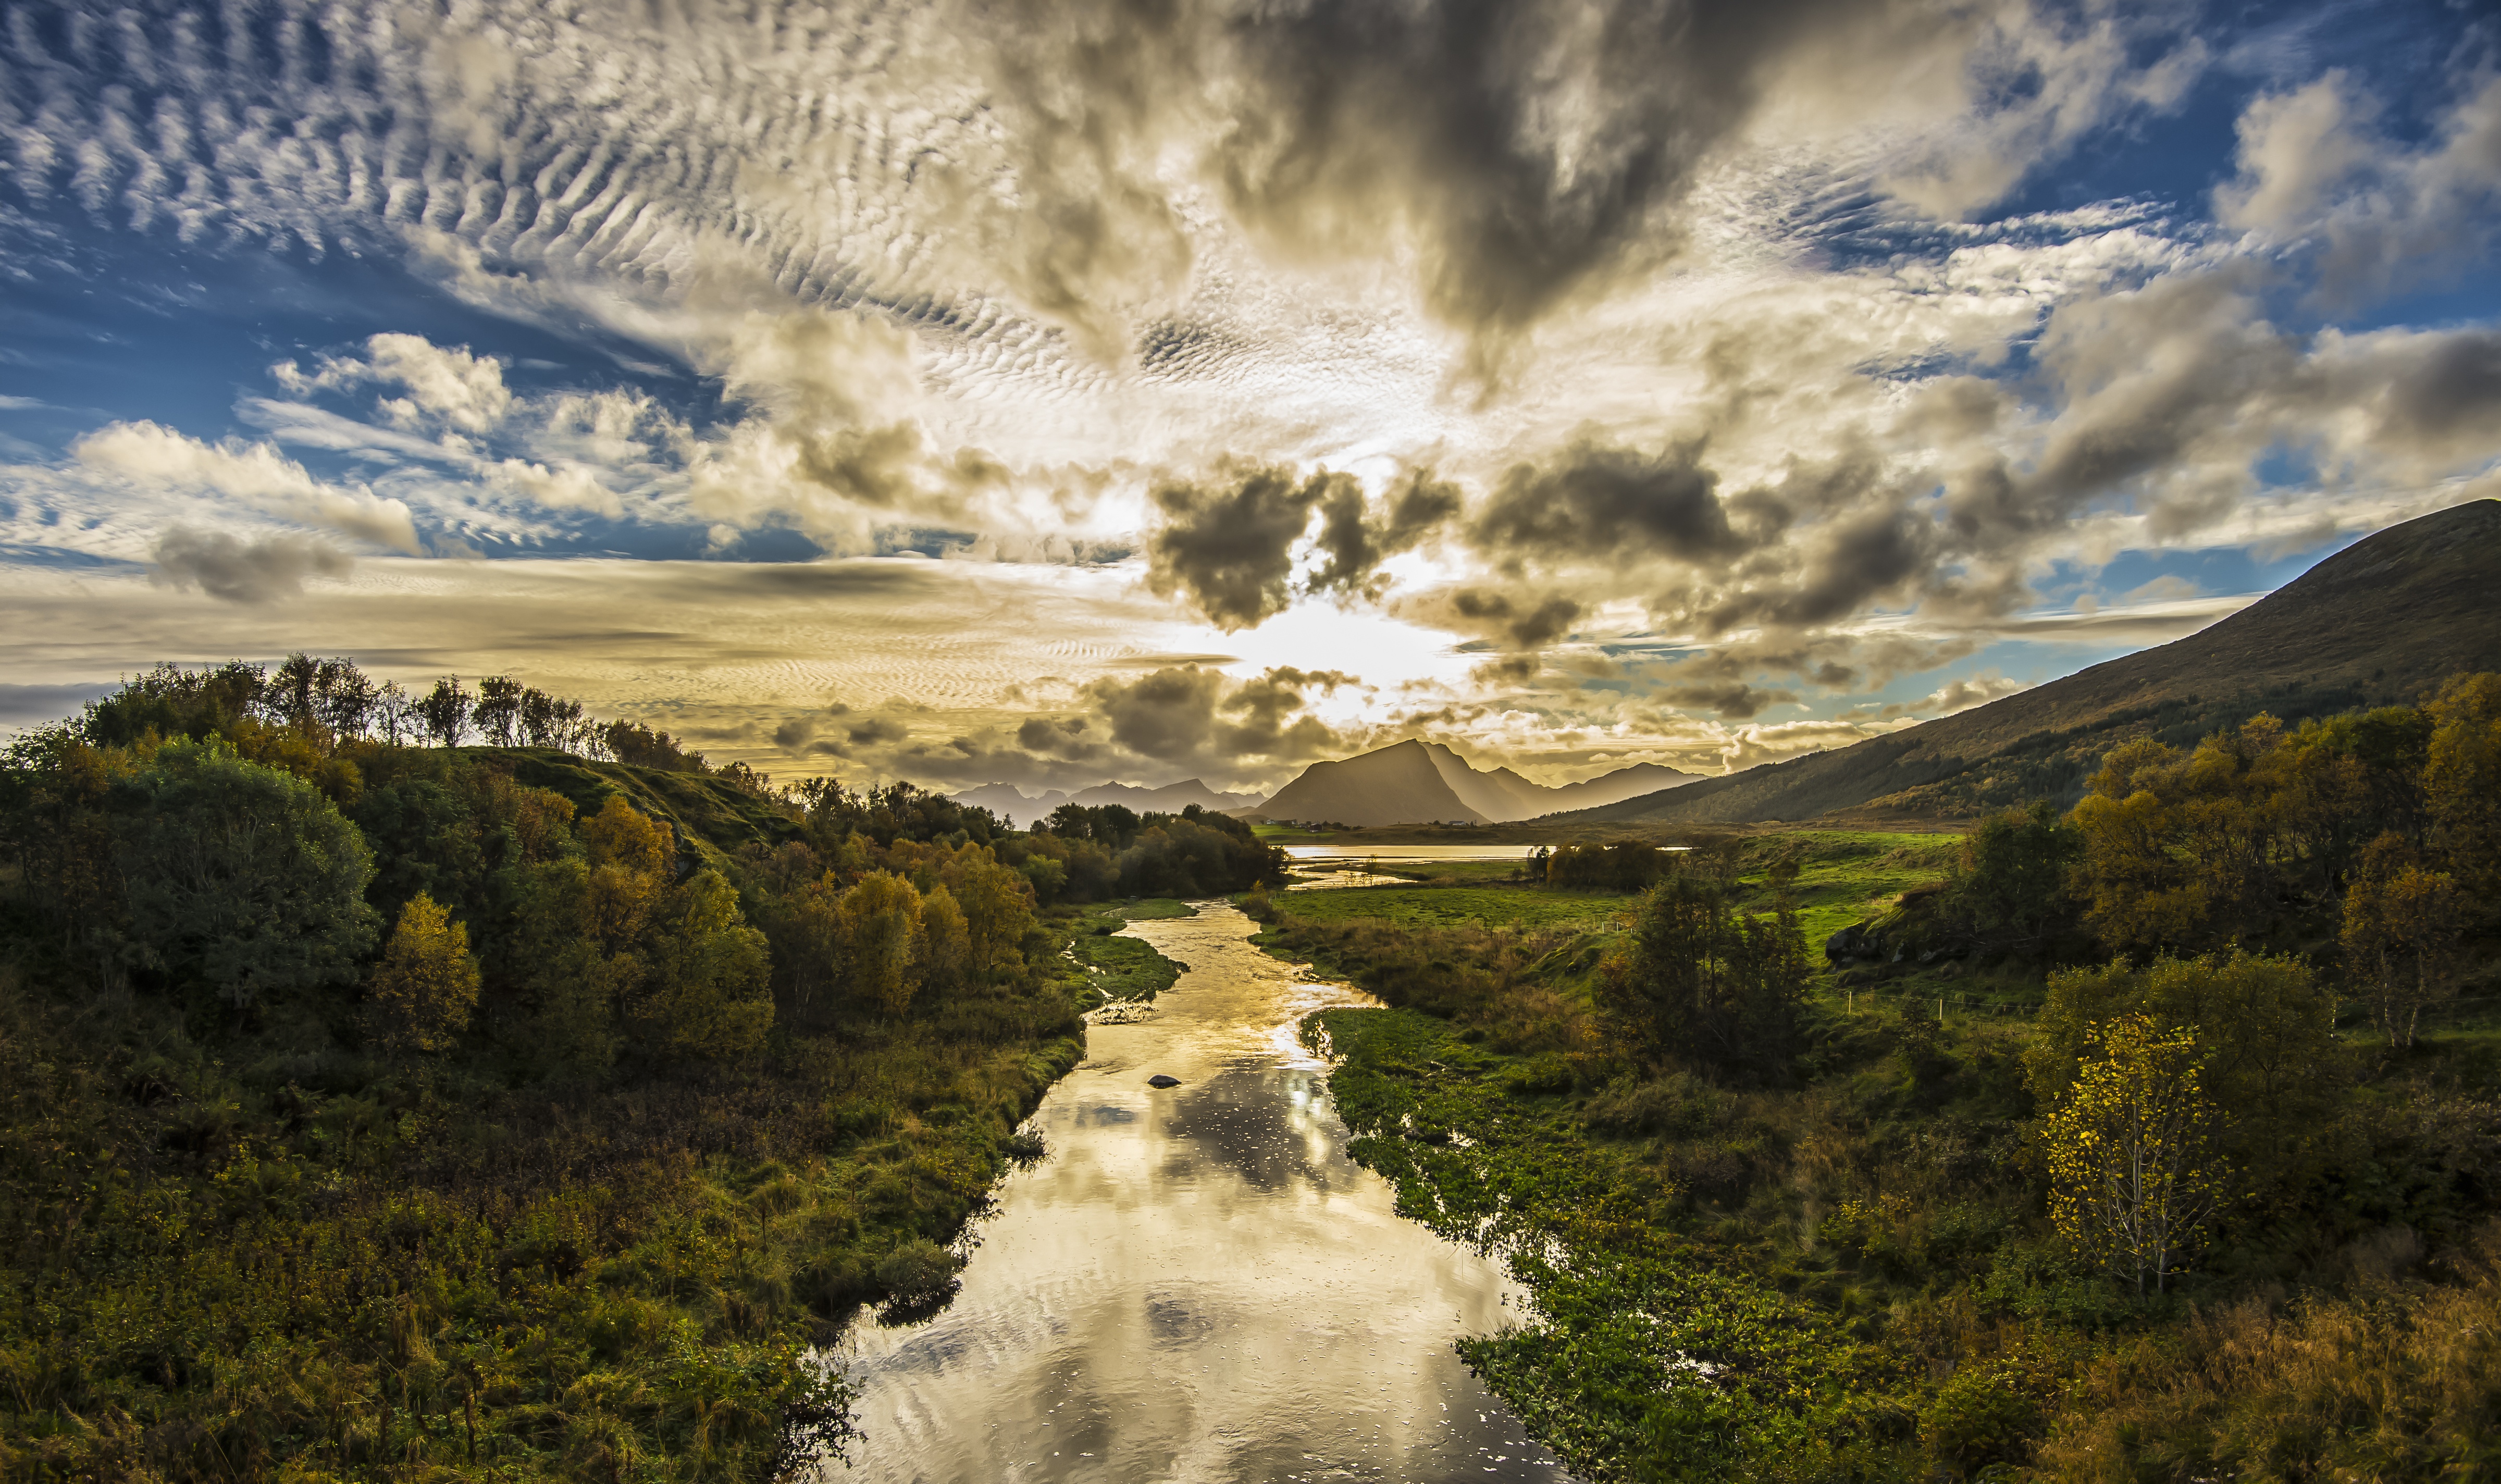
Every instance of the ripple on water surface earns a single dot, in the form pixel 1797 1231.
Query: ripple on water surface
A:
pixel 1197 1284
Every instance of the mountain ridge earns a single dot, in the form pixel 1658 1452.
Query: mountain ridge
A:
pixel 1414 781
pixel 2378 623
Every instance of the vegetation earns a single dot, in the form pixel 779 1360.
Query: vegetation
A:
pixel 2196 1176
pixel 520 1110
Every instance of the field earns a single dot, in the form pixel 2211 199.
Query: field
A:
pixel 1537 907
pixel 1844 877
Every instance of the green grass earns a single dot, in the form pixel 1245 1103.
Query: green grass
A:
pixel 1452 906
pixel 1144 909
pixel 1123 968
pixel 712 818
pixel 1849 876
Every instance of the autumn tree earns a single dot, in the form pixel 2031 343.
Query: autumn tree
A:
pixel 2134 1171
pixel 2401 934
pixel 881 931
pixel 426 985
pixel 996 904
pixel 2462 785
pixel 621 834
pixel 2265 1028
pixel 946 950
pixel 707 993
pixel 807 942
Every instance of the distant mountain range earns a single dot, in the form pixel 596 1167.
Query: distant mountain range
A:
pixel 1010 802
pixel 2381 621
pixel 1415 782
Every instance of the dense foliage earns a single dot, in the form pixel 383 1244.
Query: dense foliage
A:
pixel 497 1111
pixel 2157 1139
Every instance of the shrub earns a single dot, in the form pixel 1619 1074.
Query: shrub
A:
pixel 918 1272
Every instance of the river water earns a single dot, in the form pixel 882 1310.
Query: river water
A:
pixel 1197 1283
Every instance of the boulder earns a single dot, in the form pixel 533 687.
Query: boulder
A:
pixel 1160 1080
pixel 1851 942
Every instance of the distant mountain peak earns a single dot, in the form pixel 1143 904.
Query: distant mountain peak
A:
pixel 1415 782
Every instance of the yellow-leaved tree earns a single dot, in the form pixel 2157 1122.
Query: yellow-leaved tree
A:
pixel 2134 1171
pixel 881 932
pixel 426 985
pixel 2401 935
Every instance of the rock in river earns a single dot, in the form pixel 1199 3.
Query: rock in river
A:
pixel 1160 1080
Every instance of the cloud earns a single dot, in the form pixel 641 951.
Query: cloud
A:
pixel 240 571
pixel 1735 701
pixel 1357 536
pixel 443 383
pixel 1227 547
pixel 255 474
pixel 1600 504
pixel 2315 167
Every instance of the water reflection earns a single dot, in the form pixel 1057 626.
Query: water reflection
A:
pixel 1197 1284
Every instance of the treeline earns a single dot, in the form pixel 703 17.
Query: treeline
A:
pixel 462 1110
pixel 2376 831
pixel 326 702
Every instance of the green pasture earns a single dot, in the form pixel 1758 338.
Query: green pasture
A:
pixel 1537 907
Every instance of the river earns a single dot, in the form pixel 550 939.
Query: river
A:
pixel 1196 1283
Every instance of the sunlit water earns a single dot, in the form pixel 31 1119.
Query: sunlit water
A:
pixel 1197 1284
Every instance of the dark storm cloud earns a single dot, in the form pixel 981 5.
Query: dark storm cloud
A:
pixel 240 571
pixel 1336 119
pixel 1229 546
pixel 1060 737
pixel 1357 539
pixel 1594 503
pixel 1522 622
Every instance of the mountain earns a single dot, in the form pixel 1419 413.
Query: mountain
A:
pixel 1011 804
pixel 1415 782
pixel 2381 621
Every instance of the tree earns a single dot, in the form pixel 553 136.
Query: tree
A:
pixel 2402 930
pixel 707 994
pixel 947 945
pixel 2265 1028
pixel 2134 1173
pixel 623 834
pixel 498 711
pixel 426 985
pixel 1704 982
pixel 997 912
pixel 808 938
pixel 880 929
pixel 2462 779
pixel 243 875
pixel 2011 884
pixel 444 712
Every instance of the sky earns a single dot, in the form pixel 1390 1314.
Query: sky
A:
pixel 1056 393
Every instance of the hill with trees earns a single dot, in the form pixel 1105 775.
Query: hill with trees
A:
pixel 2382 622
pixel 459 1087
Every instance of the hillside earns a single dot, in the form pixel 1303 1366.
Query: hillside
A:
pixel 1417 782
pixel 2379 622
